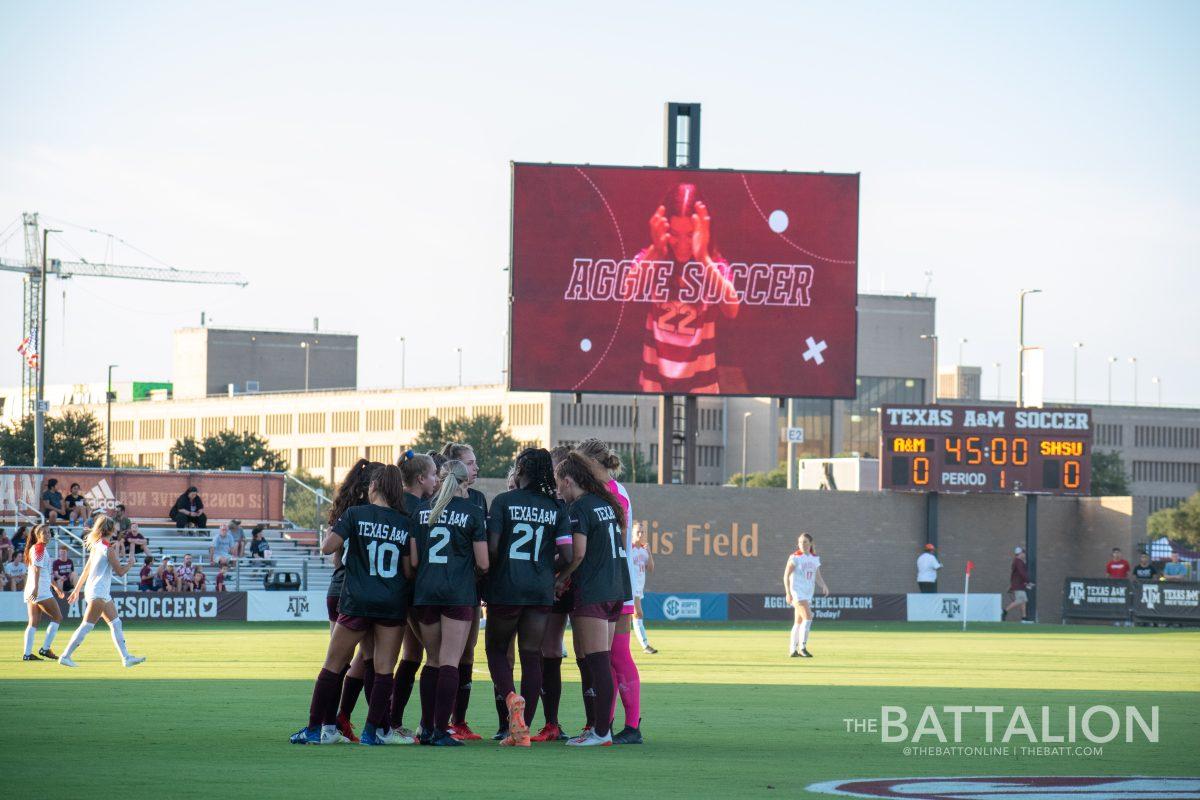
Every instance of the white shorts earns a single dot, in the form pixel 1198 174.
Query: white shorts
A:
pixel 639 590
pixel 42 599
pixel 87 598
pixel 805 596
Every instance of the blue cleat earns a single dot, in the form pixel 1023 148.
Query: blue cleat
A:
pixel 370 736
pixel 306 736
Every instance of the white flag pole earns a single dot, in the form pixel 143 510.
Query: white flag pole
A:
pixel 966 594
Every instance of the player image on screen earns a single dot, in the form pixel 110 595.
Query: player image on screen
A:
pixel 679 345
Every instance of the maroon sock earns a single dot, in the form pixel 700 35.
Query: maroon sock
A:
pixel 429 677
pixel 351 687
pixel 501 708
pixel 589 694
pixel 531 682
pixel 378 712
pixel 502 682
pixel 406 675
pixel 602 683
pixel 462 693
pixel 551 688
pixel 447 689
pixel 325 693
pixel 368 678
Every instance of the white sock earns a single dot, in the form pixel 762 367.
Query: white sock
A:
pixel 805 627
pixel 77 639
pixel 639 627
pixel 51 630
pixel 29 634
pixel 118 637
pixel 795 641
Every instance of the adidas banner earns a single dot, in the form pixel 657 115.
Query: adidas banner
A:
pixel 150 494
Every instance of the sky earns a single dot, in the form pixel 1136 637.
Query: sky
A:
pixel 352 162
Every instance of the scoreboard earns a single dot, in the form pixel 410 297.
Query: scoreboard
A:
pixel 940 448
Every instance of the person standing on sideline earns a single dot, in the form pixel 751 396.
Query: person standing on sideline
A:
pixel 927 570
pixel 643 566
pixel 1117 567
pixel 1018 584
pixel 1145 571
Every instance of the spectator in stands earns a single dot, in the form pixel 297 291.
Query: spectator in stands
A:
pixel 1018 584
pixel 121 518
pixel 170 581
pixel 52 503
pixel 235 529
pixel 62 571
pixel 136 541
pixel 199 579
pixel 146 576
pixel 260 548
pixel 77 508
pixel 220 587
pixel 14 573
pixel 1145 571
pixel 18 540
pixel 927 569
pixel 6 547
pixel 223 548
pixel 1117 567
pixel 186 573
pixel 188 511
pixel 1175 570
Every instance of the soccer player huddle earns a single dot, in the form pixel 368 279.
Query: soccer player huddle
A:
pixel 418 551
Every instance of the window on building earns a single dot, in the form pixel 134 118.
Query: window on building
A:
pixel 413 419
pixel 488 410
pixel 122 430
pixel 345 457
pixel 150 429
pixel 210 426
pixel 383 453
pixel 860 417
pixel 345 422
pixel 181 428
pixel 152 460
pixel 279 424
pixel 313 422
pixel 381 419
pixel 246 424
pixel 450 413
pixel 310 458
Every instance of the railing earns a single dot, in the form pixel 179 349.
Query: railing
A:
pixel 307 509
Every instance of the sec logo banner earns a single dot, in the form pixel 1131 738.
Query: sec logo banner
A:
pixel 1016 788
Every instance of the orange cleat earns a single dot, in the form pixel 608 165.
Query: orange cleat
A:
pixel 517 729
pixel 510 741
pixel 346 727
pixel 462 731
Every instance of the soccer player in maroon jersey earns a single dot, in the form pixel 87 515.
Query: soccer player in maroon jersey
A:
pixel 679 345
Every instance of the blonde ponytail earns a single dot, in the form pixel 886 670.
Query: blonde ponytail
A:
pixel 453 474
pixel 101 527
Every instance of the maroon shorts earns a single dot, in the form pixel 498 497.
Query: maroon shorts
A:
pixel 512 612
pixel 609 610
pixel 429 615
pixel 565 602
pixel 360 624
pixel 331 607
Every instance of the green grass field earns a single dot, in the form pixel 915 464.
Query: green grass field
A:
pixel 726 714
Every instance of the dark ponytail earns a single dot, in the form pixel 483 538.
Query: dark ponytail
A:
pixel 534 468
pixel 353 490
pixel 585 472
pixel 387 480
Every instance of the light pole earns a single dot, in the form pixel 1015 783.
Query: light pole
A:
pixel 460 383
pixel 1075 373
pixel 1158 384
pixel 999 377
pixel 961 342
pixel 108 399
pixel 403 358
pixel 39 408
pixel 305 347
pixel 1133 360
pixel 1111 360
pixel 933 337
pixel 745 418
pixel 1021 344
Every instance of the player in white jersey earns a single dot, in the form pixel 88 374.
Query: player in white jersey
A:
pixel 801 576
pixel 96 583
pixel 642 562
pixel 39 593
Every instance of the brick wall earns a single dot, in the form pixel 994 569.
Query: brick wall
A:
pixel 717 539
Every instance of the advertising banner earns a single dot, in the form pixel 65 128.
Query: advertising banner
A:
pixel 286 607
pixel 248 496
pixel 833 607
pixel 671 281
pixel 1167 601
pixel 948 607
pixel 707 606
pixel 171 606
pixel 1096 598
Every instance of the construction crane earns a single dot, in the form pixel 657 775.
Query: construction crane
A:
pixel 31 322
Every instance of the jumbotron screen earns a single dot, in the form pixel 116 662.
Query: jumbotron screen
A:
pixel 939 448
pixel 672 281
